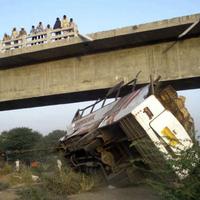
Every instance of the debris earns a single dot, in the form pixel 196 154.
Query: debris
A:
pixel 35 178
pixel 111 187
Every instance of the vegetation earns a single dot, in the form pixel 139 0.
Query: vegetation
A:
pixel 18 140
pixel 39 193
pixel 27 146
pixel 48 145
pixel 185 183
pixel 51 140
pixel 3 186
pixel 6 169
pixel 55 185
pixel 179 178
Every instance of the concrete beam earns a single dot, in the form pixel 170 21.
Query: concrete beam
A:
pixel 85 77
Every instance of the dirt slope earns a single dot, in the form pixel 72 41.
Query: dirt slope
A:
pixel 8 195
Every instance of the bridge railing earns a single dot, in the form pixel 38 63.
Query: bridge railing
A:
pixel 39 38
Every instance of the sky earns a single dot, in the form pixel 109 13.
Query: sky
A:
pixel 90 16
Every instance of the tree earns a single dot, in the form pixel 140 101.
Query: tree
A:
pixel 48 145
pixel 52 139
pixel 18 142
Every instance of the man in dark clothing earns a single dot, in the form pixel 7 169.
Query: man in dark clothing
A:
pixel 57 25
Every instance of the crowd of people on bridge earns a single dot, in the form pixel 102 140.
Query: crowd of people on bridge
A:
pixel 35 31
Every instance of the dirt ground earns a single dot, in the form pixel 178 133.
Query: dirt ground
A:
pixel 130 193
pixel 8 195
pixel 103 193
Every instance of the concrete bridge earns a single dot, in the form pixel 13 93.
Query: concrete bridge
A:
pixel 81 68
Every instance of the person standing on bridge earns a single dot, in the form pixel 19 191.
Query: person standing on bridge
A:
pixel 33 32
pixel 22 36
pixel 6 37
pixel 6 40
pixel 64 24
pixel 22 33
pixel 14 33
pixel 14 37
pixel 73 27
pixel 40 29
pixel 71 23
pixel 48 28
pixel 57 25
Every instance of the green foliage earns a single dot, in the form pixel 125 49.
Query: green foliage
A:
pixel 57 186
pixel 49 143
pixel 52 139
pixel 28 145
pixel 3 186
pixel 180 178
pixel 18 140
pixel 6 169
pixel 24 176
pixel 173 178
pixel 68 182
pixel 39 193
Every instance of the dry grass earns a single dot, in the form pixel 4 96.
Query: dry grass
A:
pixel 24 176
pixel 58 185
pixel 69 182
pixel 87 183
pixel 53 184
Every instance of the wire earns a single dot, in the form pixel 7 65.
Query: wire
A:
pixel 8 152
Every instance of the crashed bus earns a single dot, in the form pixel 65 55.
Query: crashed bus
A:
pixel 149 124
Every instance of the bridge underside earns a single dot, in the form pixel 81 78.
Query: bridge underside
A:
pixel 191 83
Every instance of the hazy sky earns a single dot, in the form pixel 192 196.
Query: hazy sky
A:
pixel 91 16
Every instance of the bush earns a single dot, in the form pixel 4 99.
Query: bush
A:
pixel 68 182
pixel 58 185
pixel 39 193
pixel 24 176
pixel 7 169
pixel 3 186
pixel 180 179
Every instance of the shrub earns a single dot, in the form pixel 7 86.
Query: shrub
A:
pixel 24 176
pixel 39 193
pixel 68 182
pixel 3 186
pixel 7 169
pixel 58 185
pixel 180 179
pixel 87 183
